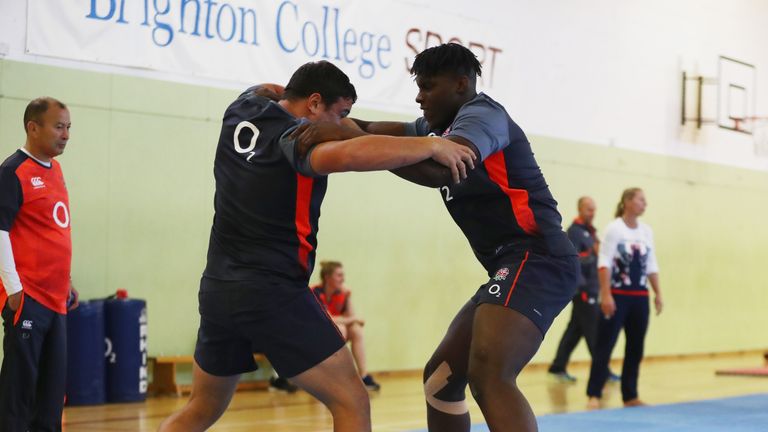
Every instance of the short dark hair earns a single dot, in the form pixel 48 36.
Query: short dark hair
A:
pixel 446 58
pixel 38 107
pixel 320 77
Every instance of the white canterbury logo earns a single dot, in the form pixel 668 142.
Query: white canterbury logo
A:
pixel 26 324
pixel 37 182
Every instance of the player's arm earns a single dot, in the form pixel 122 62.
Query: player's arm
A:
pixel 10 203
pixel 427 173
pixel 382 127
pixel 430 173
pixel 380 152
pixel 365 152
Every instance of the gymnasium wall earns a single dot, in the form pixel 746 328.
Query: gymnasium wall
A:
pixel 139 173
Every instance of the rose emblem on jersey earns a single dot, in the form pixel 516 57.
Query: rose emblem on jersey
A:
pixel 501 274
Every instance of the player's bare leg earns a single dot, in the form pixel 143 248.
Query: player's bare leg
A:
pixel 335 383
pixel 503 342
pixel 445 376
pixel 355 337
pixel 209 399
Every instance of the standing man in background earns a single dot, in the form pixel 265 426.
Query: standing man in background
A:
pixel 35 263
pixel 586 309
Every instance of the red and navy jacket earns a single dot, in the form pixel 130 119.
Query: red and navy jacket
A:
pixel 34 210
pixel 584 238
pixel 504 205
pixel 336 303
pixel 267 201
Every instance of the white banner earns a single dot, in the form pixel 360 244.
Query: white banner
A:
pixel 250 41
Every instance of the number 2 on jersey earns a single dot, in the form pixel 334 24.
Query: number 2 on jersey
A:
pixel 447 191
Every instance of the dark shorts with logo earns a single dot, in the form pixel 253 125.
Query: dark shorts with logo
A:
pixel 537 285
pixel 277 317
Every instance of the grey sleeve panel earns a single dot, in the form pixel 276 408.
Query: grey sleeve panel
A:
pixel 419 127
pixel 289 146
pixel 485 125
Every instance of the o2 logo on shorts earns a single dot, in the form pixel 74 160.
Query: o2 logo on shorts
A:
pixel 61 215
pixel 494 290
pixel 252 144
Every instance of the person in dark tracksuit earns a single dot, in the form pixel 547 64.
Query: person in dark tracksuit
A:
pixel 586 310
pixel 627 263
pixel 35 257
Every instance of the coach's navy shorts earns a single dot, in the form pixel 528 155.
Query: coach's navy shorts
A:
pixel 274 316
pixel 538 286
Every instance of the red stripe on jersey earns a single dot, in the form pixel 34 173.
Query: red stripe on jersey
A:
pixel 303 225
pixel 630 293
pixel 518 198
pixel 17 315
pixel 514 283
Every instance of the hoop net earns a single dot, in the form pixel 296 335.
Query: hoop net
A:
pixel 760 136
pixel 758 127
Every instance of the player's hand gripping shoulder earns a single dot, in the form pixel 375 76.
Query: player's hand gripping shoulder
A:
pixel 456 157
pixel 269 91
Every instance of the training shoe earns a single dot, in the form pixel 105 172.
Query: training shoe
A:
pixel 612 377
pixel 563 376
pixel 282 384
pixel 370 384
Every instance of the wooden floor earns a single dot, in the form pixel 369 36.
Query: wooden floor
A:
pixel 399 405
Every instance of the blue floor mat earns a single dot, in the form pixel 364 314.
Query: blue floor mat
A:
pixel 737 414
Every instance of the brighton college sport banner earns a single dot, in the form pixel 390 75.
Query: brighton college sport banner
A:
pixel 250 41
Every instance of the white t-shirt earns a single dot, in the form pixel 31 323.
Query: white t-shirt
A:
pixel 629 254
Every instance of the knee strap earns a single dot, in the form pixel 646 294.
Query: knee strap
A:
pixel 437 381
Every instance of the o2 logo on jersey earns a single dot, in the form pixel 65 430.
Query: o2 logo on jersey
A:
pixel 494 290
pixel 252 144
pixel 61 215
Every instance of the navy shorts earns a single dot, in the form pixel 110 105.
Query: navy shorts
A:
pixel 538 286
pixel 277 317
pixel 34 371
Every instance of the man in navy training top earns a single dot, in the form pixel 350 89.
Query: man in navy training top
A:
pixel 586 310
pixel 510 218
pixel 254 294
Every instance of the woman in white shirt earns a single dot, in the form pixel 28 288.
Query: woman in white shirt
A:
pixel 627 262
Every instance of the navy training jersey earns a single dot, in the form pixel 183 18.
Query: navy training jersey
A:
pixel 504 203
pixel 267 201
pixel 583 236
